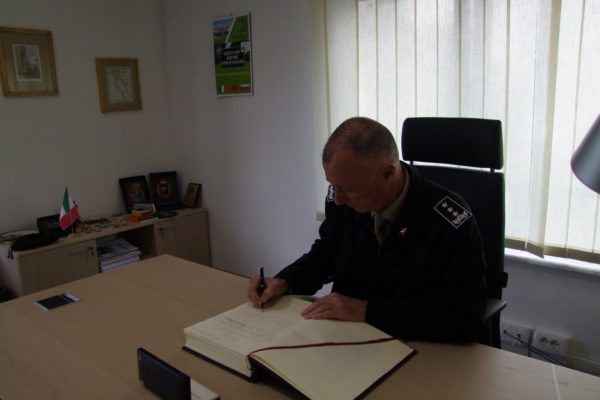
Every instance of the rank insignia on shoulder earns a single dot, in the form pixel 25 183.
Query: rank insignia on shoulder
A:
pixel 452 212
pixel 330 194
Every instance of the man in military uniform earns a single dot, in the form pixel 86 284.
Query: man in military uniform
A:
pixel 404 254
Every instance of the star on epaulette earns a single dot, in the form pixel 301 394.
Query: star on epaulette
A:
pixel 452 212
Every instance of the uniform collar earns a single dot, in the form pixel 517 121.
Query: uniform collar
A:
pixel 391 212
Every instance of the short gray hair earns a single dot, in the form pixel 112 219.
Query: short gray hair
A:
pixel 366 138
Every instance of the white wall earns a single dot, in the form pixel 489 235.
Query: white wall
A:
pixel 557 301
pixel 49 142
pixel 255 156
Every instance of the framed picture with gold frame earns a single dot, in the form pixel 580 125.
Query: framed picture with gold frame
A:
pixel 27 62
pixel 118 84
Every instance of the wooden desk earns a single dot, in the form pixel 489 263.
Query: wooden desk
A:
pixel 87 350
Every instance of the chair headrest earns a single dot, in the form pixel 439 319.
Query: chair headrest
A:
pixel 460 141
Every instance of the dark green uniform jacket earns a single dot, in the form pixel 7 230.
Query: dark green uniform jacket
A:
pixel 426 282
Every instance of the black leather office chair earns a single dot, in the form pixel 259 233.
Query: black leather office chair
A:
pixel 468 142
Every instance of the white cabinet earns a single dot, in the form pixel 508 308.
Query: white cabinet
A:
pixel 53 267
pixel 184 237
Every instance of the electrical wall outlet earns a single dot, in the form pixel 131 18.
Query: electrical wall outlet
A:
pixel 509 331
pixel 551 343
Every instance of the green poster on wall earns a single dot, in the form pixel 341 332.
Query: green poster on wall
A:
pixel 233 58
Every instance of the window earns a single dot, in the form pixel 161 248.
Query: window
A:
pixel 533 64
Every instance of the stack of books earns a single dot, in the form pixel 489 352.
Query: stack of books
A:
pixel 142 212
pixel 114 252
pixel 141 215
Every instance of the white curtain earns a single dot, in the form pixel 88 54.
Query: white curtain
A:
pixel 533 64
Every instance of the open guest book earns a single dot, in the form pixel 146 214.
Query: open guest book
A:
pixel 322 359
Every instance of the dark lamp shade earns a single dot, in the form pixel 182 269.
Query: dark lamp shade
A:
pixel 585 162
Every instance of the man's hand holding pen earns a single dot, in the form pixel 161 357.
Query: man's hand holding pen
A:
pixel 262 295
pixel 263 291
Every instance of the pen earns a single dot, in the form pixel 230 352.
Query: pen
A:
pixel 261 284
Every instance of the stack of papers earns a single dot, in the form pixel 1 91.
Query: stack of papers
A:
pixel 114 252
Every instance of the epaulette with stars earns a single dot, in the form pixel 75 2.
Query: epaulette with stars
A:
pixel 452 212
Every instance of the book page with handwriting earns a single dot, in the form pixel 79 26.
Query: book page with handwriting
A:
pixel 246 328
pixel 329 372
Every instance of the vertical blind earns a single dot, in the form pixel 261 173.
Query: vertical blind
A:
pixel 532 64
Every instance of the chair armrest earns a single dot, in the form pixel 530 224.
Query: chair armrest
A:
pixel 493 308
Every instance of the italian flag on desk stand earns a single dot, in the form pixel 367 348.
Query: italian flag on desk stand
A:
pixel 68 211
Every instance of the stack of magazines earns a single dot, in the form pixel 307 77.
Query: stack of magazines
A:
pixel 114 252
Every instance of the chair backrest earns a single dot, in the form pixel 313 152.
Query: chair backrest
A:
pixel 466 142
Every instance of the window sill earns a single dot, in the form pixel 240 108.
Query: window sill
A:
pixel 564 264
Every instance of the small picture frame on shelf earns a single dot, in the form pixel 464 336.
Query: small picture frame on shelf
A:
pixel 118 84
pixel 164 190
pixel 192 195
pixel 134 190
pixel 27 62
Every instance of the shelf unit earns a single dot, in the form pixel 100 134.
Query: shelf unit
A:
pixel 74 257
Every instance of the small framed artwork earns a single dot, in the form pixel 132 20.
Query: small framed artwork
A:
pixel 118 84
pixel 164 190
pixel 27 62
pixel 134 190
pixel 192 195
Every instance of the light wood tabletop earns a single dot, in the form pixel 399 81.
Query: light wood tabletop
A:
pixel 87 350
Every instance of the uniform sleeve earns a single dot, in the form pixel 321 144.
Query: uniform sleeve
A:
pixel 310 272
pixel 453 309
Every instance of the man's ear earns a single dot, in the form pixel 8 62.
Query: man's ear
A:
pixel 389 170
